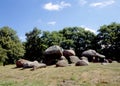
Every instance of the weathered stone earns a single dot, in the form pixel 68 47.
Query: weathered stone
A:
pixel 39 65
pixel 34 65
pixel 74 59
pixel 114 62
pixel 68 53
pixel 62 63
pixel 92 53
pixel 52 54
pixel 29 64
pixel 55 50
pixel 20 62
pixel 82 63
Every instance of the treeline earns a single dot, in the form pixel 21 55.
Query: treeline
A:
pixel 106 42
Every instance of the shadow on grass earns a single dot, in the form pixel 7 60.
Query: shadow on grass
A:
pixel 22 68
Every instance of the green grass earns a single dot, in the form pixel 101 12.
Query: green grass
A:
pixel 93 75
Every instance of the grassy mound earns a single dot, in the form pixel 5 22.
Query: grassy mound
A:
pixel 93 75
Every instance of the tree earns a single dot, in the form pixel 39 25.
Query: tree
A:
pixel 77 38
pixel 34 46
pixel 11 47
pixel 109 38
pixel 67 44
pixel 52 38
pixel 3 55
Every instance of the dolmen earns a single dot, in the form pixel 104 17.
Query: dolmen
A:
pixel 92 55
pixel 55 55
pixel 29 64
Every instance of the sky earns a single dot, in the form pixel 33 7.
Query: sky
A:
pixel 54 15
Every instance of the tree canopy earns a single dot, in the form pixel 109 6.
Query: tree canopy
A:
pixel 33 46
pixel 106 42
pixel 10 45
pixel 109 40
pixel 77 38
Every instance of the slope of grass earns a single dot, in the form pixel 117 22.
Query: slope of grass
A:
pixel 93 75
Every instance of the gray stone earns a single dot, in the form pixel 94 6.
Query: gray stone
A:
pixel 21 62
pixel 82 63
pixel 92 53
pixel 74 59
pixel 62 63
pixel 53 50
pixel 52 54
pixel 68 53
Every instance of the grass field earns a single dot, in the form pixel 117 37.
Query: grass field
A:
pixel 93 75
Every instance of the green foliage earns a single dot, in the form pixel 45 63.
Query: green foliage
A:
pixel 3 54
pixel 53 38
pixel 92 75
pixel 77 38
pixel 67 44
pixel 11 47
pixel 106 42
pixel 109 36
pixel 34 46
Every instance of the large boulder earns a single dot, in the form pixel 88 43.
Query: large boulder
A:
pixel 68 53
pixel 82 63
pixel 52 54
pixel 92 53
pixel 62 63
pixel 74 59
pixel 34 65
pixel 54 50
pixel 20 62
pixel 29 64
pixel 40 65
